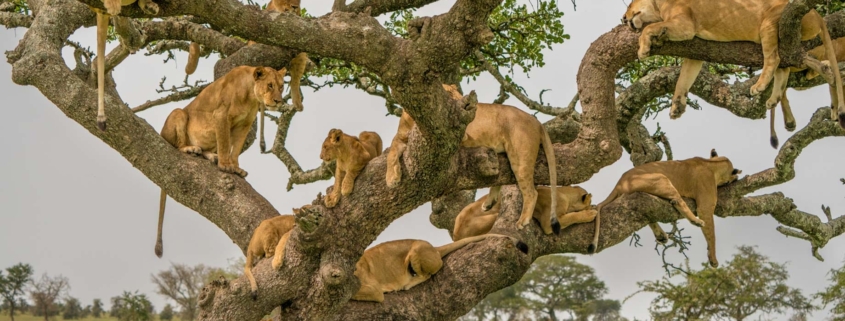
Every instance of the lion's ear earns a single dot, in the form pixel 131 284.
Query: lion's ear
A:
pixel 713 153
pixel 586 198
pixel 258 73
pixel 736 172
pixel 283 71
pixel 296 211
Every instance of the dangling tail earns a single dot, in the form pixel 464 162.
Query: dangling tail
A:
pixel 773 136
pixel 451 247
pixel 548 148
pixel 159 247
pixel 102 29
pixel 193 58
pixel 595 244
pixel 830 54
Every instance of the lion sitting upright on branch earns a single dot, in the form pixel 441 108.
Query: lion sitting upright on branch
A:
pixel 501 128
pixel 216 123
pixel 727 20
pixel 696 178
pixel 352 154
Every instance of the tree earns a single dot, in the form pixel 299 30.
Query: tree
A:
pixel 182 284
pixel 835 294
pixel 405 60
pixel 166 313
pixel 12 286
pixel 748 284
pixel 132 307
pixel 45 292
pixel 72 309
pixel 97 308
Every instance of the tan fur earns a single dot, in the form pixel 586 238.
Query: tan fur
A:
pixel 696 178
pixel 723 20
pixel 352 154
pixel 502 128
pixel 112 9
pixel 402 264
pixel 215 124
pixel 782 76
pixel 573 206
pixel 263 244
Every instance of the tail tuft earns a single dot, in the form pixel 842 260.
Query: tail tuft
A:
pixel 254 295
pixel 842 120
pixel 159 249
pixel 101 123
pixel 774 141
pixel 555 226
pixel 591 249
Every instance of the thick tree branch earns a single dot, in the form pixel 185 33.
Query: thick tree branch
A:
pixel 378 7
pixel 15 20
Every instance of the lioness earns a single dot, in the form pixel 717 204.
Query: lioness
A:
pixel 780 81
pixel 573 206
pixel 696 178
pixel 112 9
pixel 263 244
pixel 352 154
pixel 215 124
pixel 402 264
pixel 724 20
pixel 501 128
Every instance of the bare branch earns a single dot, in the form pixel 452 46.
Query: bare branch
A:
pixel 513 90
pixel 177 96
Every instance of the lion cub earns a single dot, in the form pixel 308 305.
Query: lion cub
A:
pixel 215 124
pixel 263 244
pixel 352 154
pixel 696 178
pixel 402 264
pixel 501 128
pixel 719 20
pixel 573 206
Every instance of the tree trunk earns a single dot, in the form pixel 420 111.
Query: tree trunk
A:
pixel 552 316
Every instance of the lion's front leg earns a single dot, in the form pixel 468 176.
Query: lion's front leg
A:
pixel 771 59
pixel 680 28
pixel 349 181
pixel 334 196
pixel 297 69
pixel 689 72
pixel 394 170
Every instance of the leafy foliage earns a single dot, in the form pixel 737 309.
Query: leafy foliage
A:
pixel 748 284
pixel 166 313
pixel 72 309
pixel 12 286
pixel 132 307
pixel 835 294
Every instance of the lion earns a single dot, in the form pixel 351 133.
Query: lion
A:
pixel 696 178
pixel 573 206
pixel 402 264
pixel 112 9
pixel 724 20
pixel 263 244
pixel 215 124
pixel 352 154
pixel 782 76
pixel 501 128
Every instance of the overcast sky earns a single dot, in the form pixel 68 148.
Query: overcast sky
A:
pixel 52 171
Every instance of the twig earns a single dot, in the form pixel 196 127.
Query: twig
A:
pixel 507 85
pixel 177 96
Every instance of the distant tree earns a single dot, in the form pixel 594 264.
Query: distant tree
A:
pixel 86 311
pixel 97 308
pixel 115 306
pixel 747 284
pixel 45 293
pixel 835 294
pixel 72 309
pixel 557 283
pixel 12 286
pixel 132 307
pixel 507 302
pixel 182 284
pixel 605 310
pixel 166 313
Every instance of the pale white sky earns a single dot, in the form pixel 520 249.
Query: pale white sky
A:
pixel 52 171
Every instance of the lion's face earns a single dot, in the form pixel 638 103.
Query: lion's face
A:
pixel 585 200
pixel 327 153
pixel 285 6
pixel 269 84
pixel 422 264
pixel 640 13
pixel 725 173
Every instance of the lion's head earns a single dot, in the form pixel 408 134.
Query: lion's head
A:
pixel 284 6
pixel 422 262
pixel 583 200
pixel 269 84
pixel 330 144
pixel 725 173
pixel 640 13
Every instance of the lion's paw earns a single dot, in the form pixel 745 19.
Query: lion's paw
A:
pixel 232 169
pixel 643 53
pixel 756 89
pixel 331 200
pixel 697 222
pixel 151 8
pixel 193 150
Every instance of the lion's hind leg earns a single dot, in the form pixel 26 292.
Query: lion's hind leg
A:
pixel 659 234
pixel 660 186
pixel 678 28
pixel 690 69
pixel 368 293
pixel 175 132
pixel 584 216
pixel 771 59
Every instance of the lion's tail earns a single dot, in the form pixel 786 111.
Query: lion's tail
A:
pixel 773 136
pixel 253 286
pixel 159 247
pixel 102 29
pixel 451 247
pixel 610 198
pixel 193 58
pixel 830 53
pixel 548 148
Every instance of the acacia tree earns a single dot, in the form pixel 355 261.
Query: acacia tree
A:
pixel 45 293
pixel 748 284
pixel 12 286
pixel 835 294
pixel 408 70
